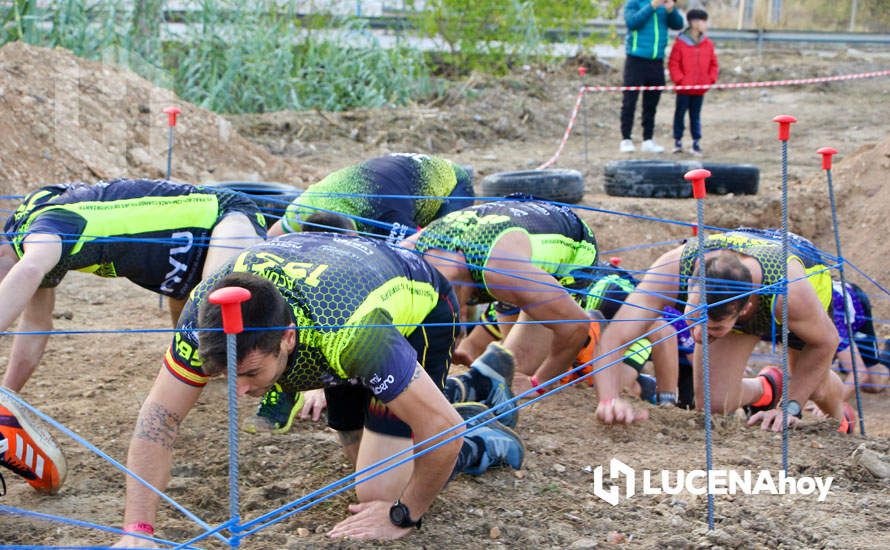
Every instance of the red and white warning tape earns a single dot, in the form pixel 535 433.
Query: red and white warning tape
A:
pixel 728 85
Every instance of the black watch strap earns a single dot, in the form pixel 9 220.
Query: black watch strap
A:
pixel 400 516
pixel 794 408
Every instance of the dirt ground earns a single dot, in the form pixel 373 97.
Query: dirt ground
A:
pixel 94 383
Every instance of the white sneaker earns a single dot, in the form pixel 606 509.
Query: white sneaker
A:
pixel 650 146
pixel 627 146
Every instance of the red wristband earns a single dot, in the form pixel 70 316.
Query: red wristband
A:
pixel 139 527
pixel 534 380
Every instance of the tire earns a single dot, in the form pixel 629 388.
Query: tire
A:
pixel 271 198
pixel 649 178
pixel 740 179
pixel 553 185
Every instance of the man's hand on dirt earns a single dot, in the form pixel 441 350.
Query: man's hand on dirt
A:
pixel 370 520
pixel 772 420
pixel 619 411
pixel 314 402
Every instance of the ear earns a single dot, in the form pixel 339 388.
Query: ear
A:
pixel 289 340
pixel 748 307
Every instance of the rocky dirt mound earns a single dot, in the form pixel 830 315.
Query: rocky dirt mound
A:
pixel 66 119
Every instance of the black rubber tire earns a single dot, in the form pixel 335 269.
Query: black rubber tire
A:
pixel 649 178
pixel 272 198
pixel 553 185
pixel 740 179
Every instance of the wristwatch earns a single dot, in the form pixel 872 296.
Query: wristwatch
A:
pixel 400 516
pixel 794 409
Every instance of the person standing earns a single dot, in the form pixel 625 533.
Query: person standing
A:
pixel 692 62
pixel 647 22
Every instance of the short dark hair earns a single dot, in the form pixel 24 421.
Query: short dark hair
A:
pixel 727 279
pixel 266 308
pixel 328 222
pixel 696 14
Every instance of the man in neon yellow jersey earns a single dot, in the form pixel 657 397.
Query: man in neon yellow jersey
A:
pixel 526 253
pixel 163 236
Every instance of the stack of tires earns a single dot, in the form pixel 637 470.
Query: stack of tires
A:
pixel 664 179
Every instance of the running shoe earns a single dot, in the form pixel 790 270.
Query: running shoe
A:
pixel 28 449
pixel 276 412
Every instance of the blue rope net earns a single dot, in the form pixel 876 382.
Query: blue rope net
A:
pixel 694 316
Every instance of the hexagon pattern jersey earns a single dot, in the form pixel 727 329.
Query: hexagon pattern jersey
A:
pixel 354 300
pixel 385 189
pixel 763 247
pixel 561 243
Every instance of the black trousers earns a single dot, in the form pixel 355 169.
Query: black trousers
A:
pixel 641 72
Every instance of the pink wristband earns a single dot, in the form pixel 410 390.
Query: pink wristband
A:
pixel 534 380
pixel 139 527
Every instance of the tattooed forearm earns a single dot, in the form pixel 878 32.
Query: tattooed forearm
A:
pixel 158 425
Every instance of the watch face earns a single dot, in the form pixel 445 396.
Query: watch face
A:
pixel 398 514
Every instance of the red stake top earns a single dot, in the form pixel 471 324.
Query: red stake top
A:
pixel 785 122
pixel 826 153
pixel 582 70
pixel 229 300
pixel 615 261
pixel 697 177
pixel 172 112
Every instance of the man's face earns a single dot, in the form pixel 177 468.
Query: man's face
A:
pixel 259 371
pixel 716 329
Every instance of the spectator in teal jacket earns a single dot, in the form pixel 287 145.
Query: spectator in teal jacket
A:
pixel 647 22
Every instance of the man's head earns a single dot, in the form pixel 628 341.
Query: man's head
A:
pixel 729 281
pixel 698 20
pixel 263 347
pixel 329 222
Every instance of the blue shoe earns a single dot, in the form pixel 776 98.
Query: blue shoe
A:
pixel 647 388
pixel 497 366
pixel 499 446
pixel 276 412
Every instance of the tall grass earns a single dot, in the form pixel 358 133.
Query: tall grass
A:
pixel 269 59
pixel 232 57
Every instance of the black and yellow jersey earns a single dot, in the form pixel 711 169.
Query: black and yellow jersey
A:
pixel 764 246
pixel 152 232
pixel 562 244
pixel 393 189
pixel 354 302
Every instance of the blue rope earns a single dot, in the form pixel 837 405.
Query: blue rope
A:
pixel 478 418
pixel 89 446
pixel 76 523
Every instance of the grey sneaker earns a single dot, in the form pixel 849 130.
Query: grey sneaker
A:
pixel 678 146
pixel 696 149
pixel 497 444
pixel 497 366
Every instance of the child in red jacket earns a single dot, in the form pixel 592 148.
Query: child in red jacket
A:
pixel 692 62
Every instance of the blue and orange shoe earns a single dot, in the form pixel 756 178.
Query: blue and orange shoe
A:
pixel 28 449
